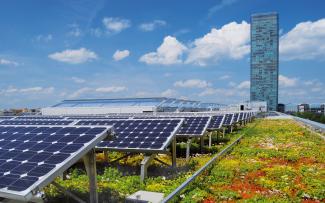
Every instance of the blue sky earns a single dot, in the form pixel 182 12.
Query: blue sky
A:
pixel 55 50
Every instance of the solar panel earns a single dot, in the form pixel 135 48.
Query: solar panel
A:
pixel 6 117
pixel 95 118
pixel 241 116
pixel 216 122
pixel 192 125
pixel 36 122
pixel 38 117
pixel 228 119
pixel 140 135
pixel 236 117
pixel 33 156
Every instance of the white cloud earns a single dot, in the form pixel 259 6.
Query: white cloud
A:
pixel 192 83
pixel 111 89
pixel 244 85
pixel 230 41
pixel 78 80
pixel 7 62
pixel 305 41
pixel 44 38
pixel 150 26
pixel 116 25
pixel 74 56
pixel 169 52
pixel 286 81
pixel 169 93
pixel 224 77
pixel 80 92
pixel 28 90
pixel 119 55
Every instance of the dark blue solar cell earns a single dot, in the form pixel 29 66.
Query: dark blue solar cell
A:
pixel 41 170
pixel 6 180
pixel 54 147
pixel 24 156
pixel 57 158
pixel 71 148
pixel 23 168
pixel 39 157
pixel 8 166
pixel 22 183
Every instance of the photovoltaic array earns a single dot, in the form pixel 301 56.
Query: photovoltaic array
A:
pixel 216 122
pixel 32 156
pixel 228 119
pixel 36 122
pixel 141 135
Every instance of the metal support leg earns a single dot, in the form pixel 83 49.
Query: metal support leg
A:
pixel 231 128
pixel 144 166
pixel 90 165
pixel 174 153
pixel 188 147
pixel 106 155
pixel 210 139
pixel 223 132
pixel 201 144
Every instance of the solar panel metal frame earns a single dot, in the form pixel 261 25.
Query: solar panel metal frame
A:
pixel 27 194
pixel 221 123
pixel 142 150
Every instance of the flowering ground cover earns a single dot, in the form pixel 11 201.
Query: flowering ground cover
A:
pixel 277 161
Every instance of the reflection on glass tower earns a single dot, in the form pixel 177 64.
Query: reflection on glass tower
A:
pixel 265 58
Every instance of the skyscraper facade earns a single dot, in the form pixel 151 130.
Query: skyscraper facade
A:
pixel 265 59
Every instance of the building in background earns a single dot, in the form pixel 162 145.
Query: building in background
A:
pixel 303 108
pixel 281 108
pixel 265 59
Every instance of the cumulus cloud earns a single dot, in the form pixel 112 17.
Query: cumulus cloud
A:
pixel 7 62
pixel 119 55
pixel 169 52
pixel 287 82
pixel 111 89
pixel 244 85
pixel 115 25
pixel 74 56
pixel 230 41
pixel 78 80
pixel 169 93
pixel 192 83
pixel 150 26
pixel 305 41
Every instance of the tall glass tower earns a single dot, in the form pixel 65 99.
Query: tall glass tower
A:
pixel 265 59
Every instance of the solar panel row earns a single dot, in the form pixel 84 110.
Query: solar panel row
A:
pixel 32 155
pixel 138 134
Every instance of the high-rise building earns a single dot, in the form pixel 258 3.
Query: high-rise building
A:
pixel 265 59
